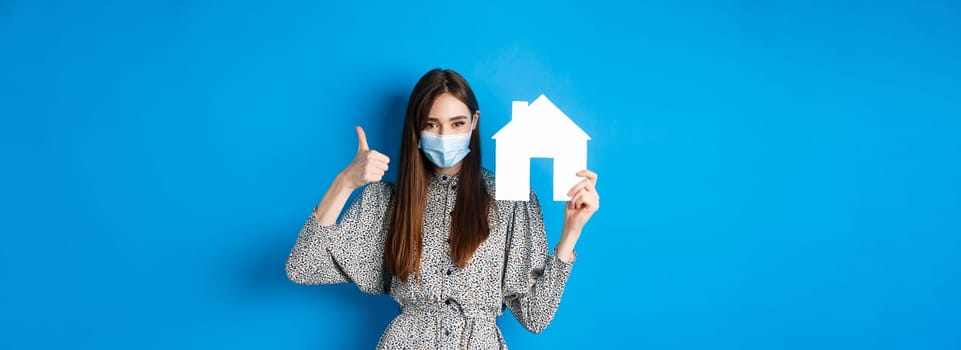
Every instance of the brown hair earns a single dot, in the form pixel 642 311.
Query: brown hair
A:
pixel 469 226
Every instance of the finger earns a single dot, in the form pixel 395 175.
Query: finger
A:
pixel 374 155
pixel 574 197
pixel 572 203
pixel 578 200
pixel 379 166
pixel 588 174
pixel 589 201
pixel 377 161
pixel 361 139
pixel 577 187
pixel 375 165
pixel 373 175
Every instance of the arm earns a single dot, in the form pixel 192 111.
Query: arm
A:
pixel 351 251
pixel 327 252
pixel 534 281
pixel 367 166
pixel 583 204
pixel 310 261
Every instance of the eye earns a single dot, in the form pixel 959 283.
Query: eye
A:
pixel 431 125
pixel 458 124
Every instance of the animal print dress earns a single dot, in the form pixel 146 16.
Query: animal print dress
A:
pixel 449 307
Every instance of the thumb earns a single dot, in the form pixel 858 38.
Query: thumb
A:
pixel 361 139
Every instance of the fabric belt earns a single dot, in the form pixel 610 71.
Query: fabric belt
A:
pixel 471 312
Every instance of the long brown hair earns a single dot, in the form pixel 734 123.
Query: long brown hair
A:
pixel 469 226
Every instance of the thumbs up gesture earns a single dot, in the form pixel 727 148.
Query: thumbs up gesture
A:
pixel 368 165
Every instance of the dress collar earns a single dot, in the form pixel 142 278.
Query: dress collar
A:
pixel 444 178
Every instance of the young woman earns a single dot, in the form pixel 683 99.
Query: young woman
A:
pixel 452 256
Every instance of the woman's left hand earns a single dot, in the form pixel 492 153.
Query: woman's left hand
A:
pixel 584 201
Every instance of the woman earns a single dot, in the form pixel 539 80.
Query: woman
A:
pixel 445 250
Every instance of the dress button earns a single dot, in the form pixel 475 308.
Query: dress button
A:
pixel 447 332
pixel 449 271
pixel 453 187
pixel 447 301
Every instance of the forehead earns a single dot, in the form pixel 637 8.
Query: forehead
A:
pixel 446 106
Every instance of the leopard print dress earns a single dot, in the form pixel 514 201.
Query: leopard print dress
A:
pixel 449 307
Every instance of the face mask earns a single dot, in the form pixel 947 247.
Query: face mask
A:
pixel 444 150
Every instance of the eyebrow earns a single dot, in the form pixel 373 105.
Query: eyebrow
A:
pixel 456 118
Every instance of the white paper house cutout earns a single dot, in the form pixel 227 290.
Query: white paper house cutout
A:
pixel 538 130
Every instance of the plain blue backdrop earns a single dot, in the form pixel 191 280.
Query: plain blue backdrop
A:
pixel 773 175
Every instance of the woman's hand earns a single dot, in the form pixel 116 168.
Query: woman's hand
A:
pixel 368 165
pixel 584 202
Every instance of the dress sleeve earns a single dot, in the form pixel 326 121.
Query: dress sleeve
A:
pixel 350 251
pixel 533 281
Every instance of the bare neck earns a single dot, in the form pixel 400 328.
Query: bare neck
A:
pixel 450 171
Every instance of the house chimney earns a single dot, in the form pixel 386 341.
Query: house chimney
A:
pixel 518 110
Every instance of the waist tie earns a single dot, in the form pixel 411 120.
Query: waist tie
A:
pixel 471 313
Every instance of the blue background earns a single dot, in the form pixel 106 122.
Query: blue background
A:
pixel 773 175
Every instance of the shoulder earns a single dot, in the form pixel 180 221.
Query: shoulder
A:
pixel 488 177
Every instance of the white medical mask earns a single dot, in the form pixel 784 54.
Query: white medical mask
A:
pixel 444 150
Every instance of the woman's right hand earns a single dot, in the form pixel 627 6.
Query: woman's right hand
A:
pixel 368 165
